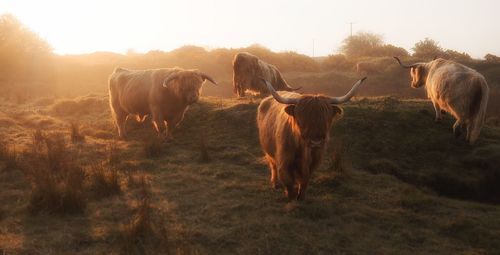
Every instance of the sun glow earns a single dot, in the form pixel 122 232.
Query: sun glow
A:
pixel 312 28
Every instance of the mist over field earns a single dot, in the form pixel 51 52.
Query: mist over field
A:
pixel 391 180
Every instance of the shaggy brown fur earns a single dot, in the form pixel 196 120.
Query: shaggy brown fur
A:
pixel 457 89
pixel 164 93
pixel 293 138
pixel 248 71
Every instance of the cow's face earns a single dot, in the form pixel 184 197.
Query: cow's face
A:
pixel 190 87
pixel 418 76
pixel 313 117
pixel 187 84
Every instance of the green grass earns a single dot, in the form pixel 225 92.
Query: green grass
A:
pixel 404 186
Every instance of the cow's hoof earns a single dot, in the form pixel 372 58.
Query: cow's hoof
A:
pixel 275 185
pixel 438 120
pixel 457 132
pixel 291 195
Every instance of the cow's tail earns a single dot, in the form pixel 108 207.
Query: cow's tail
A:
pixel 478 108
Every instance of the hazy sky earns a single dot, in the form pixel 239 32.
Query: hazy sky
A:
pixel 81 26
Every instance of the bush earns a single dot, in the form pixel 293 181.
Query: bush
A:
pixel 204 157
pixel 104 181
pixel 56 179
pixel 153 147
pixel 337 158
pixel 8 154
pixel 142 233
pixel 76 136
pixel 427 49
pixel 337 62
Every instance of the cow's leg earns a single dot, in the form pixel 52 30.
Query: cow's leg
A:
pixel 469 126
pixel 172 123
pixel 274 171
pixel 121 119
pixel 288 180
pixel 457 128
pixel 439 116
pixel 159 123
pixel 303 182
pixel 119 115
pixel 241 91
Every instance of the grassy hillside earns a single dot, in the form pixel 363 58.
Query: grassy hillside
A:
pixel 392 182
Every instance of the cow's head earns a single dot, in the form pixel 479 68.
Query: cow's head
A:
pixel 186 84
pixel 418 73
pixel 313 115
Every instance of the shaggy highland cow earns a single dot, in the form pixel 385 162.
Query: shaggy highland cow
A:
pixel 293 132
pixel 164 93
pixel 248 71
pixel 456 89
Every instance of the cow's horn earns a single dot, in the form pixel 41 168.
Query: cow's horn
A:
pixel 205 76
pixel 403 65
pixel 294 89
pixel 168 79
pixel 347 97
pixel 277 96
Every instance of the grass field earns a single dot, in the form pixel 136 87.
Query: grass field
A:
pixel 392 182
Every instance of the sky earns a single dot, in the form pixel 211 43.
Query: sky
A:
pixel 314 28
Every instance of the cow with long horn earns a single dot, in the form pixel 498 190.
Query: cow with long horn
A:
pixel 164 93
pixel 248 71
pixel 456 89
pixel 293 132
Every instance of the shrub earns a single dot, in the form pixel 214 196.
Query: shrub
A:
pixel 153 147
pixel 8 154
pixel 142 232
pixel 76 136
pixel 104 181
pixel 337 158
pixel 56 179
pixel 204 157
pixel 337 62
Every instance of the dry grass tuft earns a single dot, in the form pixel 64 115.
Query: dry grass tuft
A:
pixel 204 156
pixel 104 181
pixel 79 106
pixel 76 136
pixel 56 179
pixel 113 154
pixel 153 147
pixel 143 235
pixel 8 154
pixel 337 160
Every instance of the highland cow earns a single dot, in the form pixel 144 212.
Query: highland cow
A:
pixel 293 132
pixel 164 93
pixel 248 71
pixel 456 89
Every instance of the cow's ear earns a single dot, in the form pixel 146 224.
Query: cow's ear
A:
pixel 290 110
pixel 338 112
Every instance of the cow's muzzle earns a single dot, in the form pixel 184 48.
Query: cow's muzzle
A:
pixel 316 143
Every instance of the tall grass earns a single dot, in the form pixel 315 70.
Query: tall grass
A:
pixel 8 154
pixel 104 180
pixel 76 136
pixel 143 235
pixel 56 178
